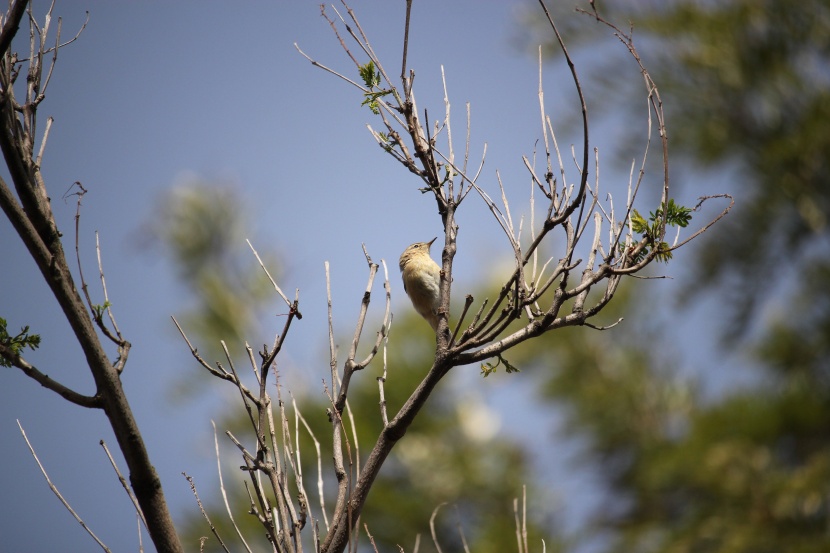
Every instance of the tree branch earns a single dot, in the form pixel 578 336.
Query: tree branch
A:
pixel 44 380
pixel 12 24
pixel 34 222
pixel 58 494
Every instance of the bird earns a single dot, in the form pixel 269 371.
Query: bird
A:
pixel 421 280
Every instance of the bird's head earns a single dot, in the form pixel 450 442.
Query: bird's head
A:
pixel 414 250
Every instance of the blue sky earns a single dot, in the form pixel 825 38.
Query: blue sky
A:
pixel 152 94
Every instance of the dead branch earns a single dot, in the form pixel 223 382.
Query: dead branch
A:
pixel 58 494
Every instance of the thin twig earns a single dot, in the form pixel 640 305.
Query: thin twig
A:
pixel 332 349
pixel 697 207
pixel 107 303
pixel 350 414
pixel 273 282
pixel 383 333
pixel 403 57
pixel 381 381
pixel 585 149
pixel 204 513
pixel 319 463
pixel 460 529
pixel 58 494
pixel 39 159
pixel 366 526
pixel 432 527
pixel 595 327
pixel 140 540
pixel 468 301
pixel 337 33
pixel 124 484
pixel 519 541
pixel 222 488
pixel 220 372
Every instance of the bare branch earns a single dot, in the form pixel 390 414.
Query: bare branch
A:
pixel 204 513
pixel 319 463
pixel 12 24
pixel 329 70
pixel 432 527
pixel 361 318
pixel 405 49
pixel 123 345
pixel 381 394
pixel 366 526
pixel 49 122
pixel 220 371
pixel 58 494
pixel 222 488
pixel 618 321
pixel 47 382
pixel 126 486
pixel 273 282
pixel 585 147
pixel 720 216
pixel 332 350
pixel 468 301
pixel 383 333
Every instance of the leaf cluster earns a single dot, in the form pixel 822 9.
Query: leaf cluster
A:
pixel 653 229
pixel 18 342
pixel 371 78
pixel 98 310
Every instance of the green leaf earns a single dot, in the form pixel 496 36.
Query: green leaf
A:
pixel 663 252
pixel 638 223
pixel 371 77
pixel 678 215
pixel 17 343
pixel 371 99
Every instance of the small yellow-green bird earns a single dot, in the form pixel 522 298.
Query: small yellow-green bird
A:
pixel 421 280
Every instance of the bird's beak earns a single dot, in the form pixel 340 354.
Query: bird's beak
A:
pixel 431 241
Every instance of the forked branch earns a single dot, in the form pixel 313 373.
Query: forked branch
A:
pixel 29 210
pixel 538 295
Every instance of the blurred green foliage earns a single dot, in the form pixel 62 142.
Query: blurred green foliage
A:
pixel 200 225
pixel 745 87
pixel 746 472
pixel 747 84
